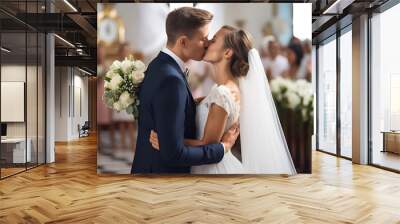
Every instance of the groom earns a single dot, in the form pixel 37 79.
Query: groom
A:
pixel 167 106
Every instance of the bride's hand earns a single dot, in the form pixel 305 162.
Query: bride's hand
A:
pixel 154 140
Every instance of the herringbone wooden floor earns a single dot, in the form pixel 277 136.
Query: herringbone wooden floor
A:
pixel 70 191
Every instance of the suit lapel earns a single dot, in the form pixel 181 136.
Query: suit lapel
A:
pixel 178 69
pixel 187 85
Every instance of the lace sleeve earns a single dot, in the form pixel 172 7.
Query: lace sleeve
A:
pixel 220 96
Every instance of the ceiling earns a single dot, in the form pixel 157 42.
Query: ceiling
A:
pixel 75 21
pixel 330 15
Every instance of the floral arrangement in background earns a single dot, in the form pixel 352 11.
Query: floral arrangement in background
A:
pixel 121 85
pixel 296 95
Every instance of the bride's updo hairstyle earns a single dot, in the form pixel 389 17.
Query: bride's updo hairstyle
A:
pixel 240 42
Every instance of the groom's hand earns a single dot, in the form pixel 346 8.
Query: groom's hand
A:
pixel 230 136
pixel 154 140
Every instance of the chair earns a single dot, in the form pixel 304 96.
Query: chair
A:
pixel 84 130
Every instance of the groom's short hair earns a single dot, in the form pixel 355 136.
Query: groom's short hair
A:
pixel 185 21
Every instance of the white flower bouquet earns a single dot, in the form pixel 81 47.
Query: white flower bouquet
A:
pixel 294 95
pixel 304 90
pixel 121 85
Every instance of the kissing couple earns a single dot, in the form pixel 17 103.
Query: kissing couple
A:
pixel 179 134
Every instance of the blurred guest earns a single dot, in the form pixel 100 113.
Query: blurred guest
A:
pixel 295 40
pixel 275 64
pixel 264 45
pixel 305 66
pixel 100 60
pixel 294 55
pixel 124 51
pixel 104 117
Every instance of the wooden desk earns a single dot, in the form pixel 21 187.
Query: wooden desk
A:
pixel 391 141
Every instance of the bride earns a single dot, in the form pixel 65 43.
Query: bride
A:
pixel 241 95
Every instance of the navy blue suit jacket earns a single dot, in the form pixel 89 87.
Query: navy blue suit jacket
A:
pixel 167 106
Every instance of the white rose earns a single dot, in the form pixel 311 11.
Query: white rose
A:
pixel 293 99
pixel 289 84
pixel 137 76
pixel 279 97
pixel 303 86
pixel 302 83
pixel 275 86
pixel 307 99
pixel 125 100
pixel 278 83
pixel 115 65
pixel 279 80
pixel 115 81
pixel 127 66
pixel 117 106
pixel 106 85
pixel 139 66
pixel 110 74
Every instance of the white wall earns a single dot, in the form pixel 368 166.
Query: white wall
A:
pixel 61 103
pixel 33 126
pixel 14 73
pixel 66 121
pixel 145 26
pixel 81 83
pixel 255 15
pixel 302 22
pixel 218 10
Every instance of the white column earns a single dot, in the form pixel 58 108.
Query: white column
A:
pixel 62 103
pixel 50 92
pixel 50 109
pixel 360 90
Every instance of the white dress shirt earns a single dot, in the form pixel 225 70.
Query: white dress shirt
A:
pixel 176 58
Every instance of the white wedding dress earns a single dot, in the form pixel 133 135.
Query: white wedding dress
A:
pixel 221 96
pixel 263 145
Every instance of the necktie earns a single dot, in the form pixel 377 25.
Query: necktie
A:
pixel 186 73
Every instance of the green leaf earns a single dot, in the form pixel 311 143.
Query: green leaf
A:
pixel 130 109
